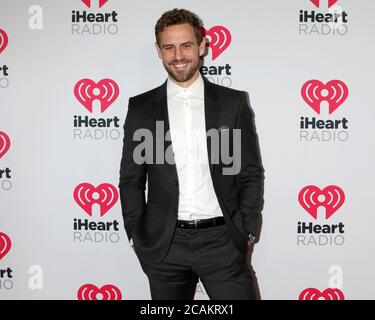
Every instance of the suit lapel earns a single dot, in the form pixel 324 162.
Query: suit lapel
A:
pixel 160 107
pixel 160 110
pixel 212 112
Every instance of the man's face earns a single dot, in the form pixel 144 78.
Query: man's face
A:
pixel 180 53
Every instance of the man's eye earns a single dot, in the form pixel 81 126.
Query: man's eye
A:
pixel 167 48
pixel 187 45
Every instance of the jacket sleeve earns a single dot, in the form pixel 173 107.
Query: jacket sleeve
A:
pixel 251 175
pixel 132 176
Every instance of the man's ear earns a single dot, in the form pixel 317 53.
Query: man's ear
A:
pixel 158 49
pixel 202 47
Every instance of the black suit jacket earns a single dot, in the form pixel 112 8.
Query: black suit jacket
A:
pixel 151 223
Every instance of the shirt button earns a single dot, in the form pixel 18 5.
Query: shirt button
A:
pixel 187 103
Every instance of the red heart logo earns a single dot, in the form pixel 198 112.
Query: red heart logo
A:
pixel 334 92
pixel 88 3
pixel 317 3
pixel 106 91
pixel 4 143
pixel 331 198
pixel 5 244
pixel 327 294
pixel 220 39
pixel 92 292
pixel 3 40
pixel 105 195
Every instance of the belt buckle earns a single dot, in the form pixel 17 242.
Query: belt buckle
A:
pixel 196 224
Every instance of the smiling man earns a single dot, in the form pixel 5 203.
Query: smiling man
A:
pixel 180 48
pixel 198 222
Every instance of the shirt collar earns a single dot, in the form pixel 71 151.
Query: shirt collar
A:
pixel 196 88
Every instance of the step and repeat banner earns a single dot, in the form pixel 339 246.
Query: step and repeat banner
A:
pixel 67 70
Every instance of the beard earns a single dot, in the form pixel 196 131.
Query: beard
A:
pixel 185 74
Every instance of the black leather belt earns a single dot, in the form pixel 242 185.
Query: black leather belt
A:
pixel 201 223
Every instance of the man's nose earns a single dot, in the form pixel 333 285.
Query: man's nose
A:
pixel 178 54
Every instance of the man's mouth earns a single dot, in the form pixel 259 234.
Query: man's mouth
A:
pixel 180 65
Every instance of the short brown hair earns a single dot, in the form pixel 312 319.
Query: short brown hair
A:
pixel 179 16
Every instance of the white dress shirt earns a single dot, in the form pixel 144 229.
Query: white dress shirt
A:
pixel 186 112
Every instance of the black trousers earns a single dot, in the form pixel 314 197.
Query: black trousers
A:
pixel 207 254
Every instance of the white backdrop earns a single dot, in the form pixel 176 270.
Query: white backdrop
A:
pixel 44 157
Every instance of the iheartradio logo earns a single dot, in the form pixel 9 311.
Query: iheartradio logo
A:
pixel 335 92
pixel 88 3
pixel 4 143
pixel 86 195
pixel 312 197
pixel 92 292
pixel 316 3
pixel 5 244
pixel 327 294
pixel 3 40
pixel 106 91
pixel 220 39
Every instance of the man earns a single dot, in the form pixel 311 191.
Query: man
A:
pixel 201 215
